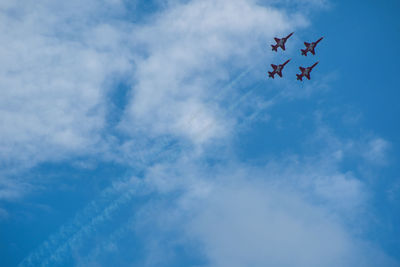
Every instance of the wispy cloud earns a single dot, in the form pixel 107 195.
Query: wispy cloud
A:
pixel 56 62
pixel 376 151
pixel 279 214
pixel 188 48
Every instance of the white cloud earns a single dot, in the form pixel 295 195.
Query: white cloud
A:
pixel 13 188
pixel 376 151
pixel 285 214
pixel 251 225
pixel 187 49
pixel 372 149
pixel 322 180
pixel 58 62
pixel 55 64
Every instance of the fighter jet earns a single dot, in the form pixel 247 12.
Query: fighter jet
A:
pixel 277 69
pixel 305 72
pixel 280 43
pixel 310 47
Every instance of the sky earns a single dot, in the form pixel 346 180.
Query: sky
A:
pixel 147 133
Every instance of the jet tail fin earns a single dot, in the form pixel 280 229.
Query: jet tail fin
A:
pixel 299 77
pixel 271 75
pixel 274 48
pixel 303 52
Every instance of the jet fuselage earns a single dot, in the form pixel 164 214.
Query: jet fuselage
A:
pixel 306 71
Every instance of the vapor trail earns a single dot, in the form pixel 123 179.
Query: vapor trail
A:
pixel 99 210
pixel 82 225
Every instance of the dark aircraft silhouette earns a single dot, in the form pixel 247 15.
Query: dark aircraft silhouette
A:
pixel 280 43
pixel 310 47
pixel 305 72
pixel 277 69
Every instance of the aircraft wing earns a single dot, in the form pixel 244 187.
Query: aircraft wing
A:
pixel 302 69
pixel 308 76
pixel 312 51
pixel 283 47
pixel 279 73
pixel 274 66
pixel 306 44
pixel 277 40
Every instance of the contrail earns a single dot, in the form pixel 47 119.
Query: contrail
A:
pixel 266 105
pixel 85 222
pixel 230 85
pixel 86 230
pixel 206 128
pixel 112 238
pixel 121 231
pixel 82 225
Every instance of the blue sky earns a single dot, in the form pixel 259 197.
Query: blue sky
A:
pixel 146 133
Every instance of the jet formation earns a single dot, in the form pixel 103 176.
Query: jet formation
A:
pixel 305 72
